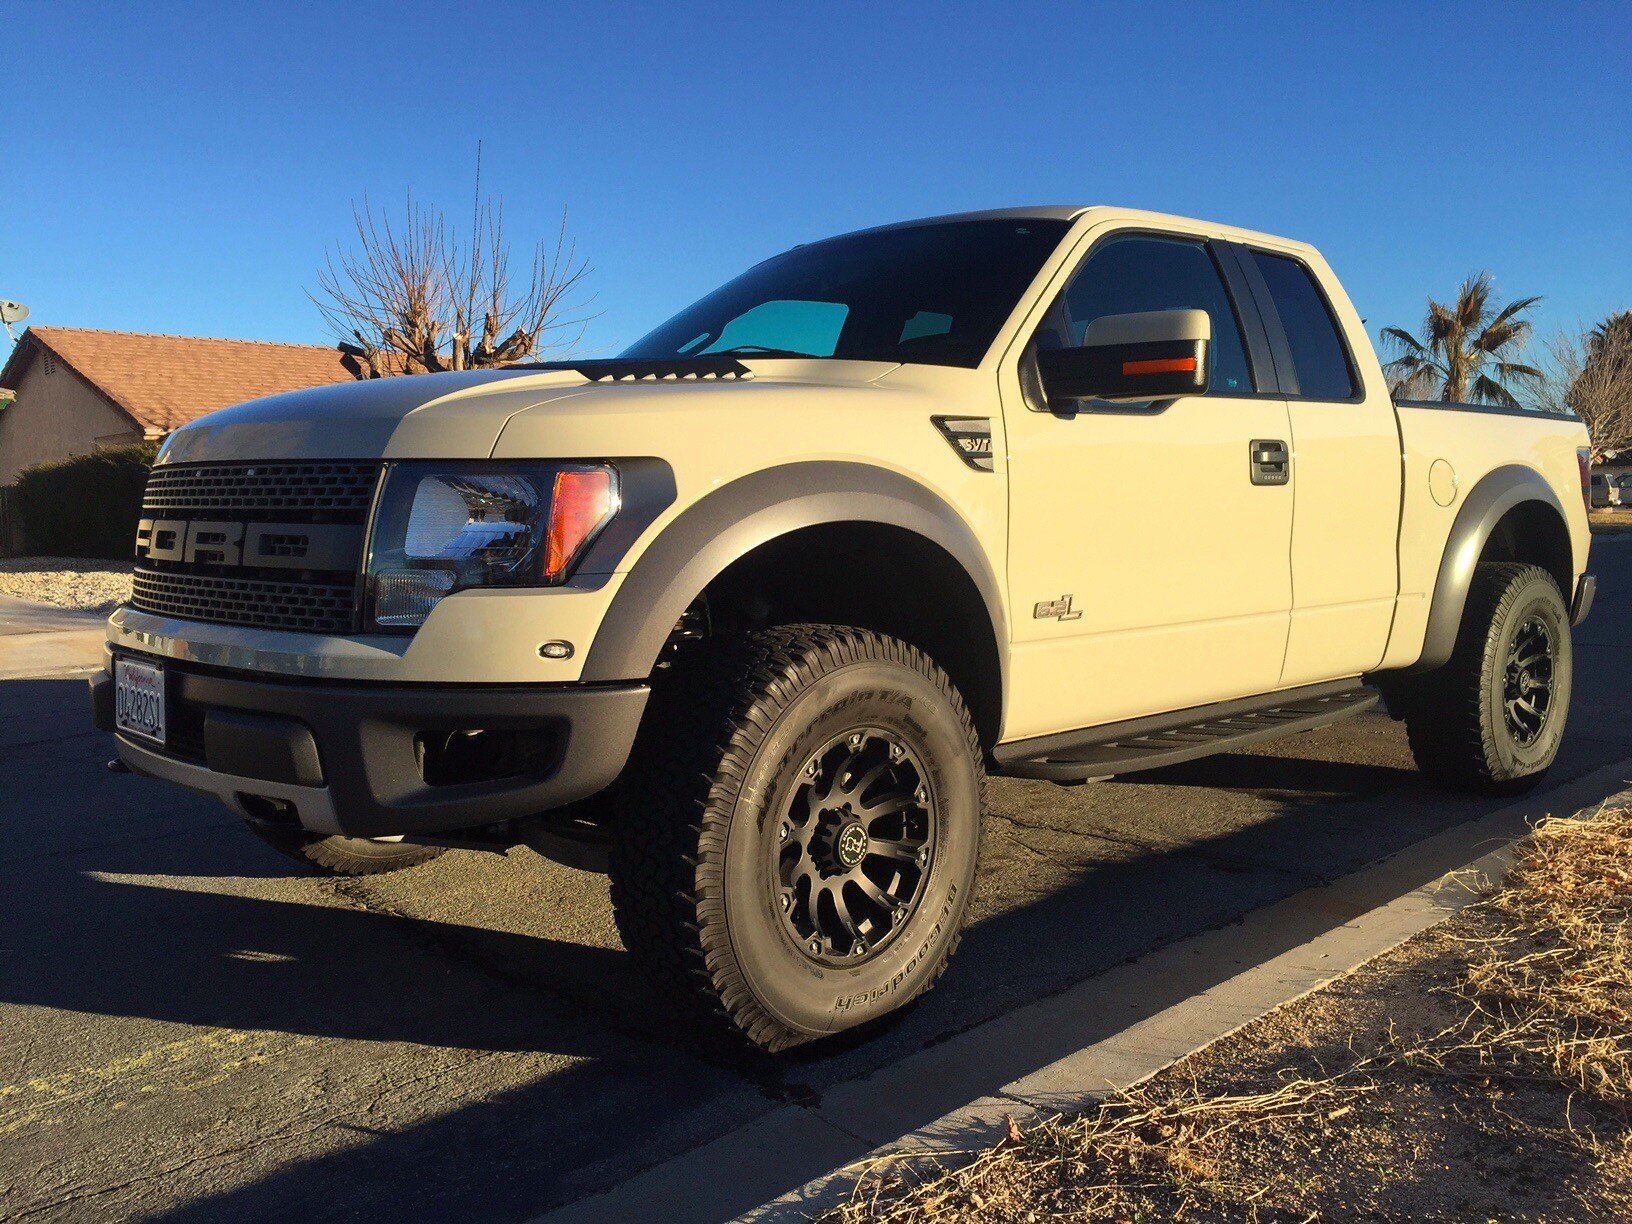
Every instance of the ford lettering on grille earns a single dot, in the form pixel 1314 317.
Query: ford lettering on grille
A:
pixel 302 546
pixel 269 545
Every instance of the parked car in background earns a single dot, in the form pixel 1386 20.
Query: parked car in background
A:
pixel 1620 489
pixel 1600 491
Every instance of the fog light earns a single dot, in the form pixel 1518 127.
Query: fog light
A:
pixel 406 597
pixel 556 650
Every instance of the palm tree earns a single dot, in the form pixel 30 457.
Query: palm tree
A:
pixel 1466 353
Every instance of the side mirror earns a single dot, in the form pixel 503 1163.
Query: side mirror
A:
pixel 1158 355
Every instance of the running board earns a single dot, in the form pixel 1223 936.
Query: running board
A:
pixel 1166 739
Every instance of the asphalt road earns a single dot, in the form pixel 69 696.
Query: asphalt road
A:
pixel 186 1029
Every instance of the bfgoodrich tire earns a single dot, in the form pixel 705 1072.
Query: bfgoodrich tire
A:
pixel 794 842
pixel 1491 719
pixel 343 856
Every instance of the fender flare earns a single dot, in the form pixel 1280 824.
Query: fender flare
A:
pixel 733 520
pixel 1496 493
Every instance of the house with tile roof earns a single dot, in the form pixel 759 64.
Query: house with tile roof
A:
pixel 75 390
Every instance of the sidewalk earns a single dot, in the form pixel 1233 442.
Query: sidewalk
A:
pixel 40 640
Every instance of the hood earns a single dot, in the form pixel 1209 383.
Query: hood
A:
pixel 455 416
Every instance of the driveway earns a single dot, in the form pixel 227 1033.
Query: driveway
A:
pixel 187 1029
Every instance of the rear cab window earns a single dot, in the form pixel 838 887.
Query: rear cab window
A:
pixel 1320 358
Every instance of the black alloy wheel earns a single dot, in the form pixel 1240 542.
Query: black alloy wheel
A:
pixel 855 845
pixel 1527 685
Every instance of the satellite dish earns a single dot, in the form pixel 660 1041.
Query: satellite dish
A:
pixel 12 312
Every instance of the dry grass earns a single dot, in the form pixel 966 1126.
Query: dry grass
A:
pixel 1551 992
pixel 1610 522
pixel 1482 1071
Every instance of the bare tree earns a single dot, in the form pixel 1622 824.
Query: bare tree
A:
pixel 418 297
pixel 1589 372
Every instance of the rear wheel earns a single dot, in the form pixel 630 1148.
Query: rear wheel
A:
pixel 794 842
pixel 1491 719
pixel 343 856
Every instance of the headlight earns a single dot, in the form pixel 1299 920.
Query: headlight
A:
pixel 441 528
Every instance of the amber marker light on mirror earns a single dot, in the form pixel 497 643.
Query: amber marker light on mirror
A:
pixel 581 504
pixel 1164 365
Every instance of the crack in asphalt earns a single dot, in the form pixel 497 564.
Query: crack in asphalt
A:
pixel 50 739
pixel 447 945
pixel 87 1193
pixel 343 1118
pixel 135 839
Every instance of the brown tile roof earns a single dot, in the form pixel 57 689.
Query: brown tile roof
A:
pixel 165 381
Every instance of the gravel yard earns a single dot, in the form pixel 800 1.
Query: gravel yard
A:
pixel 67 582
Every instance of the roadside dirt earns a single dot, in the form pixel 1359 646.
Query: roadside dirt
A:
pixel 67 582
pixel 1610 522
pixel 1481 1071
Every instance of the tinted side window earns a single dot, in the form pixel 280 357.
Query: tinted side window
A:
pixel 1318 354
pixel 1138 274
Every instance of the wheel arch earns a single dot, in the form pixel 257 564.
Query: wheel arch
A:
pixel 1511 514
pixel 765 522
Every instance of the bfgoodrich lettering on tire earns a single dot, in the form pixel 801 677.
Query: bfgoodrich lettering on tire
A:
pixel 1490 720
pixel 794 844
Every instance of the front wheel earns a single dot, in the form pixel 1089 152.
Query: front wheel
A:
pixel 794 842
pixel 1491 719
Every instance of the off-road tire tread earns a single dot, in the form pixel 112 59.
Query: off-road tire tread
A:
pixel 1444 709
pixel 329 855
pixel 710 712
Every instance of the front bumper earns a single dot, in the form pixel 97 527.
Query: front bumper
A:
pixel 352 758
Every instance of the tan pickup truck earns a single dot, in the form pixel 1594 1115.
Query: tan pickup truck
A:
pixel 747 615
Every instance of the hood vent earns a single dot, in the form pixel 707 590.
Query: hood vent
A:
pixel 687 369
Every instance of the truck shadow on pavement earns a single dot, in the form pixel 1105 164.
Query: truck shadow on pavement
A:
pixel 190 921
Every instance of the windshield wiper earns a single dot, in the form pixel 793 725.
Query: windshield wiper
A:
pixel 759 350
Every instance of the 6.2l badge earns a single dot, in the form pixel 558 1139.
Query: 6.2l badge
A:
pixel 1059 609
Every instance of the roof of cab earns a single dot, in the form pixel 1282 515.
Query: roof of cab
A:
pixel 1072 212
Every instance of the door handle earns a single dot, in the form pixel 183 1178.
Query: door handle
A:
pixel 1269 462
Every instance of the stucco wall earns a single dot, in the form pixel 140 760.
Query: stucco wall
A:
pixel 56 415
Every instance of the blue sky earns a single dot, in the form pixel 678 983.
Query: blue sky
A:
pixel 182 167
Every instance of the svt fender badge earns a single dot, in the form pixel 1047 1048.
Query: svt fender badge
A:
pixel 971 437
pixel 1059 609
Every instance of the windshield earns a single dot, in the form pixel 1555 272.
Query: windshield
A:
pixel 933 294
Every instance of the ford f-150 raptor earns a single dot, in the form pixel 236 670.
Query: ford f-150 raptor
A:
pixel 746 615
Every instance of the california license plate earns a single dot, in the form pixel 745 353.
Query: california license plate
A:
pixel 138 696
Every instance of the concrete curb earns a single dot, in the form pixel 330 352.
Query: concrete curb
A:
pixel 1063 1053
pixel 39 639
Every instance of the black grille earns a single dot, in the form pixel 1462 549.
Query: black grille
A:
pixel 310 607
pixel 312 600
pixel 326 492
